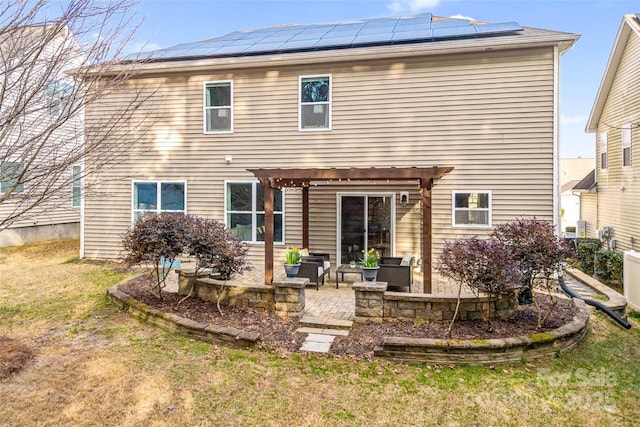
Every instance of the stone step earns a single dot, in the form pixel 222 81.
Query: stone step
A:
pixel 323 331
pixel 313 322
pixel 317 343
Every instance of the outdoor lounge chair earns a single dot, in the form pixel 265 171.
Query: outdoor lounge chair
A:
pixel 315 267
pixel 397 272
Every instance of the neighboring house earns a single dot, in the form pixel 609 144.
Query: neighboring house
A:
pixel 615 120
pixel 572 171
pixel 26 77
pixel 437 128
pixel 586 190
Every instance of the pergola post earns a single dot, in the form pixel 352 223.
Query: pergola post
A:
pixel 268 231
pixel 425 189
pixel 305 216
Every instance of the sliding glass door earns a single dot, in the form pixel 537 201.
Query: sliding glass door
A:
pixel 365 221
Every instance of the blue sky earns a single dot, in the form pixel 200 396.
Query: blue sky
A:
pixel 170 22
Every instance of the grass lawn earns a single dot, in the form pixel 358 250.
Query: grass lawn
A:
pixel 94 365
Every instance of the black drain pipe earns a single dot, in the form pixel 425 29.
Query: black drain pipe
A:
pixel 597 304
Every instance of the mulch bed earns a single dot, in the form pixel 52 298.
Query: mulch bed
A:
pixel 278 334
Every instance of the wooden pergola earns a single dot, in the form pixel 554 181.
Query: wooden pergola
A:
pixel 303 178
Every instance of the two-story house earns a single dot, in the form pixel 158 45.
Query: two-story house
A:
pixel 615 120
pixel 394 133
pixel 40 197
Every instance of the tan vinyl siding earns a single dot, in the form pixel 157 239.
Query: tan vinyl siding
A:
pixel 589 213
pixel 618 187
pixel 489 115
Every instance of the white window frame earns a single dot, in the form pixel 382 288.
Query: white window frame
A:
pixel 626 144
pixel 254 212
pixel 157 210
pixel 454 209
pixel 76 182
pixel 604 157
pixel 327 103
pixel 206 108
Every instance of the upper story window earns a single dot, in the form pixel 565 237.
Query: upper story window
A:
pixel 218 107
pixel 76 186
pixel 10 173
pixel 154 197
pixel 603 150
pixel 626 145
pixel 58 97
pixel 471 208
pixel 245 211
pixel 315 103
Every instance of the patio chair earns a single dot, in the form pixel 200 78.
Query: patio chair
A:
pixel 397 272
pixel 314 266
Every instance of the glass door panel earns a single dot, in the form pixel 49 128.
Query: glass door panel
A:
pixel 365 223
pixel 353 228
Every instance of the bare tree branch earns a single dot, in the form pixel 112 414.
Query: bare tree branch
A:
pixel 56 63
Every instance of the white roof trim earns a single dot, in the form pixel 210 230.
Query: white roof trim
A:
pixel 629 23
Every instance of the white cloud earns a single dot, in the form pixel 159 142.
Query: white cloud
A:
pixel 458 16
pixel 573 120
pixel 412 5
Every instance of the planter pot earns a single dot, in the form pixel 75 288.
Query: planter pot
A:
pixel 291 269
pixel 369 274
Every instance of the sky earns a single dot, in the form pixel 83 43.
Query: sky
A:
pixel 170 22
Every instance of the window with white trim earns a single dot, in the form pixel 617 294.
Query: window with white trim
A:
pixel 58 96
pixel 315 103
pixel 603 150
pixel 76 186
pixel 626 145
pixel 471 208
pixel 218 107
pixel 244 206
pixel 10 173
pixel 154 197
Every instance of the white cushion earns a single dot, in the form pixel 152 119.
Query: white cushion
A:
pixel 327 264
pixel 304 252
pixel 320 271
pixel 406 259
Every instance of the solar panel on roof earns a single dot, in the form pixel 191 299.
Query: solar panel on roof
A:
pixel 346 33
pixel 454 31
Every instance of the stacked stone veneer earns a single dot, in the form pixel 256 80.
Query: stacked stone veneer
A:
pixel 374 303
pixel 490 351
pixel 284 297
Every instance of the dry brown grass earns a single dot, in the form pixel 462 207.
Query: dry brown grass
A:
pixel 94 365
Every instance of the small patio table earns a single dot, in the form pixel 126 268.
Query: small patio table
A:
pixel 347 268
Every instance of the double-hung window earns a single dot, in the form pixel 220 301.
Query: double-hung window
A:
pixel 10 173
pixel 76 186
pixel 315 103
pixel 58 97
pixel 218 107
pixel 244 208
pixel 471 208
pixel 603 150
pixel 154 197
pixel 626 146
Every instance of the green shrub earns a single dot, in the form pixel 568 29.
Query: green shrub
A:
pixel 608 265
pixel 585 253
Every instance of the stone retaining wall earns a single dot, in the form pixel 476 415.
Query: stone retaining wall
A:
pixel 285 297
pixel 487 352
pixel 174 323
pixel 374 303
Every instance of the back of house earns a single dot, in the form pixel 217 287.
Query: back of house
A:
pixel 478 100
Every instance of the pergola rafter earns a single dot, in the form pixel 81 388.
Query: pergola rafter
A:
pixel 304 177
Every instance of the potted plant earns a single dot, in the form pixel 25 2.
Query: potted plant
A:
pixel 370 265
pixel 292 261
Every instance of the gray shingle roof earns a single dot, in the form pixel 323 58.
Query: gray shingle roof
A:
pixel 356 33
